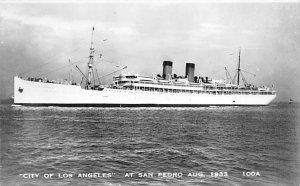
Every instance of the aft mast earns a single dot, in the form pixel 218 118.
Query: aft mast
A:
pixel 90 63
pixel 239 69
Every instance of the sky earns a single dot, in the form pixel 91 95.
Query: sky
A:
pixel 38 40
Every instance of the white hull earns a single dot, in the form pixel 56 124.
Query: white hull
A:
pixel 39 93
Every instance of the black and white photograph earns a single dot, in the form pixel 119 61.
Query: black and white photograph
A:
pixel 150 93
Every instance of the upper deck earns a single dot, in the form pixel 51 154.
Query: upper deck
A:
pixel 182 85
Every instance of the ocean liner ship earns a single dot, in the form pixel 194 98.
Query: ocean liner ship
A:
pixel 135 90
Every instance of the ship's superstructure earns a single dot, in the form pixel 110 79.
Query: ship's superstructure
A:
pixel 133 89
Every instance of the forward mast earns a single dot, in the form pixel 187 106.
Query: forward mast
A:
pixel 90 63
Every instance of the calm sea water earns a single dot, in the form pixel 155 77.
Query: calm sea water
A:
pixel 156 146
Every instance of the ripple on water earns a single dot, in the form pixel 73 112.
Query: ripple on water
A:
pixel 120 140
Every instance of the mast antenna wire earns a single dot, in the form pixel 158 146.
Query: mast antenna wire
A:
pixel 50 60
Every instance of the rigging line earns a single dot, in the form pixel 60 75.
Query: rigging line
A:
pixel 244 80
pixel 50 60
pixel 93 76
pixel 218 72
pixel 113 72
pixel 231 71
pixel 250 79
pixel 57 69
pixel 249 73
pixel 110 62
pixel 81 81
pixel 53 70
pixel 228 75
pixel 98 76
pixel 234 77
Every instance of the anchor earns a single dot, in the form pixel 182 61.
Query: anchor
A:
pixel 21 89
